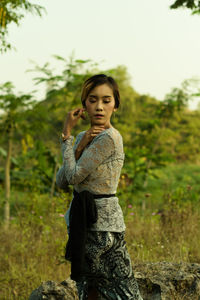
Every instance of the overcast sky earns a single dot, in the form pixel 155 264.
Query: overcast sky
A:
pixel 159 46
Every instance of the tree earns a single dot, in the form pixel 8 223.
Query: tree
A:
pixel 153 131
pixel 13 107
pixel 193 5
pixel 152 137
pixel 63 90
pixel 12 11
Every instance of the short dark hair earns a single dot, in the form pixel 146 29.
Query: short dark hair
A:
pixel 96 80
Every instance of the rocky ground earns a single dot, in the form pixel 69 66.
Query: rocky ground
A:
pixel 157 281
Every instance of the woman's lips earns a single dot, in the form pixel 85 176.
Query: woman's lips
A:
pixel 98 116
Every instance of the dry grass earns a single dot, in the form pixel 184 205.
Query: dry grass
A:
pixel 172 235
pixel 30 254
pixel 32 250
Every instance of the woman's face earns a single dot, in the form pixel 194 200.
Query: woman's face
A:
pixel 100 101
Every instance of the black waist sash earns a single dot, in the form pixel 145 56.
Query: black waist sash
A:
pixel 83 213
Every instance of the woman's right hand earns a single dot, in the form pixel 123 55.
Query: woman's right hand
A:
pixel 72 118
pixel 92 132
pixel 89 136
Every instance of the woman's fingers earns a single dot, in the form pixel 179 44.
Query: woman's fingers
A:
pixel 73 117
pixel 96 131
pixel 78 112
pixel 98 126
pixel 83 117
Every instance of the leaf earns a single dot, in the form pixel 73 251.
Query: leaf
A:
pixel 59 57
pixel 3 152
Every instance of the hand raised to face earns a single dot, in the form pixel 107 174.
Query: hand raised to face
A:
pixel 72 118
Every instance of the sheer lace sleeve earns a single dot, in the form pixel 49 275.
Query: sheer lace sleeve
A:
pixel 61 179
pixel 101 148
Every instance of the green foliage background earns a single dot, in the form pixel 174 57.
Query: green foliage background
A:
pixel 158 190
pixel 155 133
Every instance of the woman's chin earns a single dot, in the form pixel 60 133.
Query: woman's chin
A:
pixel 97 122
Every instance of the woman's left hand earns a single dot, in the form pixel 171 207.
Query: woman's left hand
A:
pixel 72 118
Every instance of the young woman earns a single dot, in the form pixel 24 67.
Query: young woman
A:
pixel 100 263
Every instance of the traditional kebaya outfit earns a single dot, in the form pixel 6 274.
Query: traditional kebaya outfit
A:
pixel 96 246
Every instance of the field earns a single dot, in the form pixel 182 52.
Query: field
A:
pixel 163 223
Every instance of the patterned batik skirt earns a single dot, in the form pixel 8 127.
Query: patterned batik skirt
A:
pixel 108 268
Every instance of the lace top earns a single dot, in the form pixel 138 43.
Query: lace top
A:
pixel 97 170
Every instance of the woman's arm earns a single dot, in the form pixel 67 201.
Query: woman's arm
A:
pixel 76 171
pixel 80 148
pixel 82 140
pixel 78 153
pixel 61 180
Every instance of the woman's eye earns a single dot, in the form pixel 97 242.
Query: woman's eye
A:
pixel 92 101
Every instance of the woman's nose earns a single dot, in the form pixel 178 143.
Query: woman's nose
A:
pixel 99 106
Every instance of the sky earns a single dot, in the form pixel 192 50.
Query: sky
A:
pixel 160 47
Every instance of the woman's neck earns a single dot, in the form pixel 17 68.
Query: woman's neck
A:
pixel 107 126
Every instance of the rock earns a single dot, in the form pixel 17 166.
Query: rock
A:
pixel 51 290
pixel 168 281
pixel 157 281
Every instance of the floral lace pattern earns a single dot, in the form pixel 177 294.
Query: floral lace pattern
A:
pixel 97 170
pixel 110 216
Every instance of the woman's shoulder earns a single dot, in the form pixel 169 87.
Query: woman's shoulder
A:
pixel 115 134
pixel 110 136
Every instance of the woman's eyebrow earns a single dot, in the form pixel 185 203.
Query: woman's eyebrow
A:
pixel 91 95
pixel 94 96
